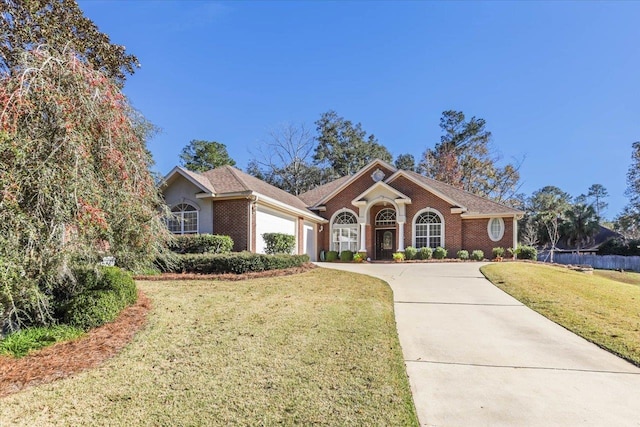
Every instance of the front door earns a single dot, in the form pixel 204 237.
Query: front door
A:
pixel 385 244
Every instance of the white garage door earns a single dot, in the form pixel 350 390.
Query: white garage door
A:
pixel 270 221
pixel 310 241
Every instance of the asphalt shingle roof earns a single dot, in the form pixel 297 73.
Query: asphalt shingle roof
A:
pixel 312 197
pixel 227 179
pixel 474 204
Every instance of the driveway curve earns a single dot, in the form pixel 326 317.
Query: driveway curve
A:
pixel 475 356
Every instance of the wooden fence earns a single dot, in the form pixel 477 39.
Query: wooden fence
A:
pixel 604 262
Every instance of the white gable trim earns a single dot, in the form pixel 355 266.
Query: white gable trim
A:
pixel 401 198
pixel 268 201
pixel 354 177
pixel 178 170
pixel 426 187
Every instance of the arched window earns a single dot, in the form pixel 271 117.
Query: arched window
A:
pixel 344 234
pixel 428 229
pixel 386 217
pixel 495 228
pixel 184 219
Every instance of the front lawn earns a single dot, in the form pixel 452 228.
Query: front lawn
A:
pixel 604 311
pixel 315 348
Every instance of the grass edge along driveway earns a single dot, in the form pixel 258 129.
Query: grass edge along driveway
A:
pixel 316 348
pixel 599 309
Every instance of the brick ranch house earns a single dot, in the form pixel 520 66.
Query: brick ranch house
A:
pixel 378 210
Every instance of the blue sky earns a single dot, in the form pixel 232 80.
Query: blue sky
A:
pixel 557 82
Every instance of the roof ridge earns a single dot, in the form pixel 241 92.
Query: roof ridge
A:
pixel 460 189
pixel 237 177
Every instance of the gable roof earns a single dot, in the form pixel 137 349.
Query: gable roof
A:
pixel 195 178
pixel 472 204
pixel 227 179
pixel 323 193
pixel 312 197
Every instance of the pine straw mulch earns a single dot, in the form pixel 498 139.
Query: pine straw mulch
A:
pixel 67 358
pixel 230 276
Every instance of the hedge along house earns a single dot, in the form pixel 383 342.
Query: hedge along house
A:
pixel 378 210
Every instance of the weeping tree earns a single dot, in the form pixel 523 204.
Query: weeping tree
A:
pixel 75 183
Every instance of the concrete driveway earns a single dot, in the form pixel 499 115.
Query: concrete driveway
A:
pixel 477 357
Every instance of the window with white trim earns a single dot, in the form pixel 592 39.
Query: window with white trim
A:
pixel 184 219
pixel 428 230
pixel 386 217
pixel 345 232
pixel 495 228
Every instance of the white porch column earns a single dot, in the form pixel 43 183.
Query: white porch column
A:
pixel 363 228
pixel 401 237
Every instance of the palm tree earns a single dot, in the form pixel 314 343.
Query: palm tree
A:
pixel 580 225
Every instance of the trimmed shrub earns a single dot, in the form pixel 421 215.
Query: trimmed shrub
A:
pixel 511 252
pixel 238 263
pixel 398 256
pixel 477 255
pixel 331 256
pixel 527 252
pixel 102 299
pixel 279 243
pixel 425 253
pixel 498 252
pixel 410 252
pixel 439 253
pixel 463 254
pixel 346 256
pixel 201 243
pixel 359 257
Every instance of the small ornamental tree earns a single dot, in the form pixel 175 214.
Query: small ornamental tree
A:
pixel 75 182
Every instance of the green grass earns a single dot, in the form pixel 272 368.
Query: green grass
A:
pixel 21 343
pixel 618 276
pixel 317 348
pixel 604 311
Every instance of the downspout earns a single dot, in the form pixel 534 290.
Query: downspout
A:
pixel 252 200
pixel 515 232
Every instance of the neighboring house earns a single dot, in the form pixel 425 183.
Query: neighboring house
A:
pixel 379 210
pixel 592 245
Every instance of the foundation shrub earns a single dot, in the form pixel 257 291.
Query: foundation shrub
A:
pixel 331 256
pixel 498 252
pixel 463 254
pixel 346 256
pixel 425 253
pixel 439 253
pixel 527 252
pixel 477 255
pixel 410 253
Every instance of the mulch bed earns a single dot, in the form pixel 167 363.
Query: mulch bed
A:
pixel 64 359
pixel 230 276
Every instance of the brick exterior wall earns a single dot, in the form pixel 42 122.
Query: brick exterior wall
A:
pixel 422 199
pixel 343 200
pixel 230 218
pixel 476 236
pixel 469 234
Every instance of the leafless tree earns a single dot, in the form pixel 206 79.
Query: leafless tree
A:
pixel 285 159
